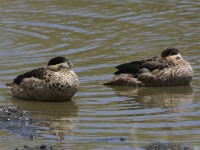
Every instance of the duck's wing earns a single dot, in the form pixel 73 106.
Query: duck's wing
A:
pixel 36 73
pixel 134 66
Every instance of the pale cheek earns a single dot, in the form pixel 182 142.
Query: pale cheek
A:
pixel 169 60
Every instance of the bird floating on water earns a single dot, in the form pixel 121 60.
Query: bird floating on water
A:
pixel 168 70
pixel 55 82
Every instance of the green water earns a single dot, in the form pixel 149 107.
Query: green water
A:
pixel 96 36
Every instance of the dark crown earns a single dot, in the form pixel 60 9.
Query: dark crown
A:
pixel 169 51
pixel 57 60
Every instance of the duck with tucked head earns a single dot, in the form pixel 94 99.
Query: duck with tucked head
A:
pixel 168 70
pixel 55 82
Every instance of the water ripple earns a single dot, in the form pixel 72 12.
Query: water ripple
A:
pixel 97 36
pixel 23 32
pixel 42 24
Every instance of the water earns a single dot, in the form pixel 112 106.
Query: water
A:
pixel 96 36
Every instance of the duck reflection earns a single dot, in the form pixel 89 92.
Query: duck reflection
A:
pixel 164 97
pixel 59 118
pixel 157 125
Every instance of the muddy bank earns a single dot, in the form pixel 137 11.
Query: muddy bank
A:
pixel 154 146
pixel 40 147
pixel 167 146
pixel 17 122
pixel 20 123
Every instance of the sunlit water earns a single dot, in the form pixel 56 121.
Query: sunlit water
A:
pixel 96 36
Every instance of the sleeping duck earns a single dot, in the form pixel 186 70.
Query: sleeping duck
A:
pixel 55 82
pixel 168 70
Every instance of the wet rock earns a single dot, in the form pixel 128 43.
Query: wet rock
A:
pixel 39 147
pixel 167 146
pixel 7 112
pixel 17 122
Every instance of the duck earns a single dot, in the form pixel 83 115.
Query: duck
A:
pixel 55 82
pixel 170 69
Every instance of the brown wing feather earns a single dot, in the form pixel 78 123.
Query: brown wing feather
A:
pixel 37 73
pixel 134 66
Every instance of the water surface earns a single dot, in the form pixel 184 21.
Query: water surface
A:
pixel 96 36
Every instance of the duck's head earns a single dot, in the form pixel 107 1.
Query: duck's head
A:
pixel 171 55
pixel 58 63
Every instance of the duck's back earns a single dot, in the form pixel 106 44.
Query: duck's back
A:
pixel 135 66
pixel 177 73
pixel 36 73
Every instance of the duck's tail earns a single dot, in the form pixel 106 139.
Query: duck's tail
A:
pixel 10 84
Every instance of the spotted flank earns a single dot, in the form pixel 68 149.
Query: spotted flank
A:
pixel 56 82
pixel 168 70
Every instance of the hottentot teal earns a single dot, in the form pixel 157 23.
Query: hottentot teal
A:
pixel 55 82
pixel 168 70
